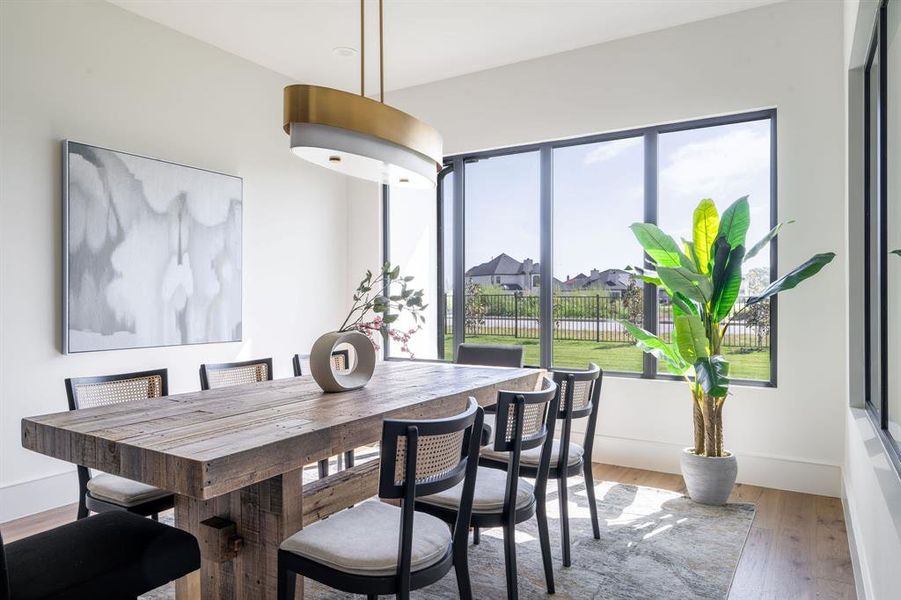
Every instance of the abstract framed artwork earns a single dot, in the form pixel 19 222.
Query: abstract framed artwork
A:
pixel 152 252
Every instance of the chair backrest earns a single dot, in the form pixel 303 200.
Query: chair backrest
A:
pixel 340 361
pixel 522 417
pixel 579 391
pixel 422 457
pixel 221 375
pixel 487 355
pixel 579 394
pixel 525 420
pixel 85 392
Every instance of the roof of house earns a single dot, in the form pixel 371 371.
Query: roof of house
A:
pixel 502 264
pixel 612 279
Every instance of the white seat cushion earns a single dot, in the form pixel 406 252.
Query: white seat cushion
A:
pixel 122 491
pixel 363 540
pixel 531 457
pixel 488 498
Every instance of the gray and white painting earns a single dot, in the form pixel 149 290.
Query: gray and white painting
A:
pixel 153 252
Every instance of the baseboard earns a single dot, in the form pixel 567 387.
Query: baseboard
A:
pixel 777 472
pixel 858 558
pixel 29 497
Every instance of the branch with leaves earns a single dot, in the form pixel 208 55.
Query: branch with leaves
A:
pixel 388 295
pixel 703 279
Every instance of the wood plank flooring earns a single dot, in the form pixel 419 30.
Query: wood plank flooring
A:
pixel 797 548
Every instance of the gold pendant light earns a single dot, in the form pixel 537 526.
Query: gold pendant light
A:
pixel 361 137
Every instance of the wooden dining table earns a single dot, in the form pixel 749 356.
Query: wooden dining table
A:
pixel 234 457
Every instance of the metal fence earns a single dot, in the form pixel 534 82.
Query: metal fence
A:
pixel 590 318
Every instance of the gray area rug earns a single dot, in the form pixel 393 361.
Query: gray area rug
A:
pixel 654 544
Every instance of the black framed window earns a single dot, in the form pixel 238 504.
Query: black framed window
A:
pixel 514 218
pixel 882 225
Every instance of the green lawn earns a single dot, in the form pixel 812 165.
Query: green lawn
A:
pixel 614 356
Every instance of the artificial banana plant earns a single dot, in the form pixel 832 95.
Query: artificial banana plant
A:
pixel 702 279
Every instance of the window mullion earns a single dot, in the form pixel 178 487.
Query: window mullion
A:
pixel 649 367
pixel 459 308
pixel 546 271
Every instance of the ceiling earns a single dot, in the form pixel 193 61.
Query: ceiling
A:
pixel 425 40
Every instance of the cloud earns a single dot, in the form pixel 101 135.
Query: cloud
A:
pixel 718 167
pixel 609 150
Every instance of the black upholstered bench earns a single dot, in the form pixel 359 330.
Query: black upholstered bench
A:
pixel 113 555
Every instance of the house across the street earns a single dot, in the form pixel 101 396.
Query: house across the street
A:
pixel 506 272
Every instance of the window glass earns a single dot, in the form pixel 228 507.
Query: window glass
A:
pixel 893 217
pixel 501 252
pixel 598 194
pixel 446 269
pixel 723 163
pixel 413 246
pixel 874 239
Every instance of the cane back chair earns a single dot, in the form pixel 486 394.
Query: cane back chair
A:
pixel 103 492
pixel 377 548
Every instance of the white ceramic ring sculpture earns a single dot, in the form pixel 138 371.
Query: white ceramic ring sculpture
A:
pixel 323 369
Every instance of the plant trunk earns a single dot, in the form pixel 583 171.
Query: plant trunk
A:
pixel 718 423
pixel 709 411
pixel 697 400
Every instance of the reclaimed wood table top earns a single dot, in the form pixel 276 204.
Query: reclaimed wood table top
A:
pixel 208 443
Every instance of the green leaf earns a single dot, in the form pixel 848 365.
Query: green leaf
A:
pixel 660 247
pixel 645 275
pixel 765 240
pixel 726 289
pixel 650 343
pixel 692 285
pixel 682 305
pixel 388 319
pixel 689 249
pixel 705 228
pixel 896 252
pixel 712 373
pixel 735 222
pixel 691 338
pixel 806 270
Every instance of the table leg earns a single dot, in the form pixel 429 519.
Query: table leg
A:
pixel 265 514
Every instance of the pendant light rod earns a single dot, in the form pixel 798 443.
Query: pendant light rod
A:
pixel 381 55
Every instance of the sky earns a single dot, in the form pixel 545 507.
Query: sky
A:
pixel 598 191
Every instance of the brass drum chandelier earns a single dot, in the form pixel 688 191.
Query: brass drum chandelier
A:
pixel 361 137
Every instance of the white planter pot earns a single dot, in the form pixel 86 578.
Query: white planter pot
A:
pixel 709 479
pixel 322 366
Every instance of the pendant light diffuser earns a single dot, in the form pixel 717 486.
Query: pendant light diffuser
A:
pixel 361 137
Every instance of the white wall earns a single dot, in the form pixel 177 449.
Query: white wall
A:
pixel 95 73
pixel 788 56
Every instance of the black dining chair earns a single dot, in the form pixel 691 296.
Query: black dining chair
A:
pixel 488 355
pixel 111 555
pixel 104 492
pixel 578 395
pixel 378 548
pixel 340 360
pixel 221 375
pixel 524 421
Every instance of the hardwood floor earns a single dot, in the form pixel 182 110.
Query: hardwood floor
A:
pixel 797 548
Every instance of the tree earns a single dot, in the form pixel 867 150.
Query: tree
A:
pixel 633 303
pixel 475 308
pixel 757 315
